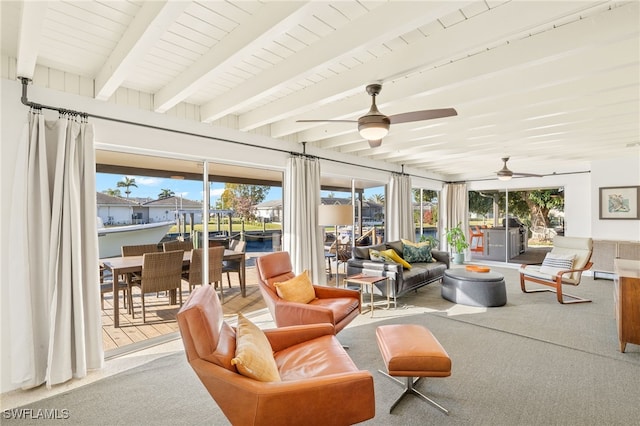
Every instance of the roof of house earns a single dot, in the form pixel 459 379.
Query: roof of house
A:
pixel 103 199
pixel 172 202
pixel 269 204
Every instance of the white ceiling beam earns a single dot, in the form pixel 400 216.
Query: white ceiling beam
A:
pixel 271 20
pixel 375 27
pixel 491 27
pixel 147 27
pixel 519 56
pixel 29 35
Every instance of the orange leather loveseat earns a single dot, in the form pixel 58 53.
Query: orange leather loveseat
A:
pixel 320 384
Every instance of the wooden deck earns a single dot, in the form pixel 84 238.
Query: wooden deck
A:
pixel 161 317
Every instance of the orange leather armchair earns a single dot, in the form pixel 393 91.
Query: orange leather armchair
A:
pixel 336 306
pixel 313 388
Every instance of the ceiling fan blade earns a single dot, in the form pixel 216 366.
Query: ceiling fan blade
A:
pixel 526 174
pixel 326 121
pixel 427 114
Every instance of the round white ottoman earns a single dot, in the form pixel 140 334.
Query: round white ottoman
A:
pixel 474 288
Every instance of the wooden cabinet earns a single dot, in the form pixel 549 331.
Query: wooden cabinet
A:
pixel 627 301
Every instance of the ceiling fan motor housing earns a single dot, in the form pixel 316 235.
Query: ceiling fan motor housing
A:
pixel 373 127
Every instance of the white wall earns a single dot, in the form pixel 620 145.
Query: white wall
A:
pixel 619 172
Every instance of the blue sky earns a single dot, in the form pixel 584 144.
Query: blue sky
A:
pixel 151 187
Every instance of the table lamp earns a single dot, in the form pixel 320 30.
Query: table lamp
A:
pixel 335 215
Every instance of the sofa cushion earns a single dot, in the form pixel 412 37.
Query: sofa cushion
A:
pixel 392 256
pixel 413 254
pixel 254 356
pixel 411 243
pixel 318 357
pixel 397 246
pixel 363 252
pixel 297 289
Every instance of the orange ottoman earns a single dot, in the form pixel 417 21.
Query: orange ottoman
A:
pixel 411 351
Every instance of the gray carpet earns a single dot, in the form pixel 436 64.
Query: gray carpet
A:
pixel 531 362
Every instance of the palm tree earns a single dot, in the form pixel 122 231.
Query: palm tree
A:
pixel 377 198
pixel 166 193
pixel 113 192
pixel 127 182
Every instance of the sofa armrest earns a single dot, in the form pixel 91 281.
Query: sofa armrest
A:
pixel 324 292
pixel 441 256
pixel 284 337
pixel 292 313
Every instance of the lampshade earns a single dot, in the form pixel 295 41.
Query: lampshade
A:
pixel 373 131
pixel 335 214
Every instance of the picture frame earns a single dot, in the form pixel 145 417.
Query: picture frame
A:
pixel 620 202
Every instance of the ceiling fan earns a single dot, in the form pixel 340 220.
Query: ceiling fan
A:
pixel 505 174
pixel 373 126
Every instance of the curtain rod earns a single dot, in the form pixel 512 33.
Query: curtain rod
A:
pixel 25 101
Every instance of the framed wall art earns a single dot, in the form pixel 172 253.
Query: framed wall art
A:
pixel 620 202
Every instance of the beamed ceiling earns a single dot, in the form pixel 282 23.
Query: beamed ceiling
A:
pixel 554 85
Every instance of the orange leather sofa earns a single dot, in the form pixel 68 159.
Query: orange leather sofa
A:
pixel 318 376
pixel 336 306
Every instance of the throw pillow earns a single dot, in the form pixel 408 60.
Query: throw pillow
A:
pixel 554 263
pixel 392 256
pixel 375 256
pixel 413 254
pixel 254 356
pixel 411 243
pixel 297 289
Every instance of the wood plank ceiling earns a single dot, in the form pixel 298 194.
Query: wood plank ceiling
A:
pixel 554 85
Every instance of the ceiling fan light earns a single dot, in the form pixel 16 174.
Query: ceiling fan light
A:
pixel 375 143
pixel 504 177
pixel 373 131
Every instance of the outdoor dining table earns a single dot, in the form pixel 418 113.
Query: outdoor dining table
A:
pixel 133 264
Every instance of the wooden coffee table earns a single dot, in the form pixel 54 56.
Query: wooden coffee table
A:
pixel 369 280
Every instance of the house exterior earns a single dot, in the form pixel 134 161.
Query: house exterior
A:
pixel 115 210
pixel 170 208
pixel 269 211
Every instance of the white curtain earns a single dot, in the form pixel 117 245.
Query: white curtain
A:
pixel 302 236
pixel 55 298
pixel 399 215
pixel 455 209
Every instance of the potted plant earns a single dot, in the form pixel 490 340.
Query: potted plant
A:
pixel 457 242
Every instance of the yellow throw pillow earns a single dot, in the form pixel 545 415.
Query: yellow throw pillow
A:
pixel 411 243
pixel 297 289
pixel 254 356
pixel 391 255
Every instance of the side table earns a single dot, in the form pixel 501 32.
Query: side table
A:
pixel 369 280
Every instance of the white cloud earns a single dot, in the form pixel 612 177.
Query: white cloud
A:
pixel 216 192
pixel 148 181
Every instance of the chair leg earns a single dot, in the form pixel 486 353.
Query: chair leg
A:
pixel 144 317
pixel 131 309
pixel 410 389
pixel 229 279
pixel 557 290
